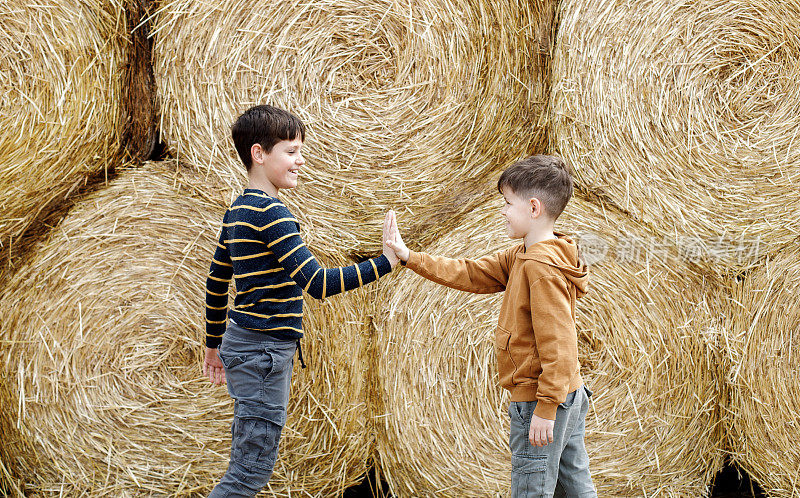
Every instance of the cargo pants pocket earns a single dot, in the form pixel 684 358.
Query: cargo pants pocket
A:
pixel 256 432
pixel 569 400
pixel 528 475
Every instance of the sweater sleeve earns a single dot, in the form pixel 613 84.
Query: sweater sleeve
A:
pixel 281 233
pixel 556 342
pixel 482 276
pixel 217 282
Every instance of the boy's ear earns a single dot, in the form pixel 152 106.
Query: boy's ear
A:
pixel 256 153
pixel 536 207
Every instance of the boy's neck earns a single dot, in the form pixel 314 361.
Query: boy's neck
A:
pixel 535 236
pixel 260 182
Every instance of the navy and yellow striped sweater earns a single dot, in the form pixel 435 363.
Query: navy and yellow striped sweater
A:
pixel 260 247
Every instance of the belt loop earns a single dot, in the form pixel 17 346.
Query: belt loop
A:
pixel 300 354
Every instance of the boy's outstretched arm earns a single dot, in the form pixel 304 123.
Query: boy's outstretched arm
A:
pixel 482 276
pixel 280 232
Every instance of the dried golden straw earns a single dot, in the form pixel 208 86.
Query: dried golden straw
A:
pixel 686 115
pixel 762 354
pixel 102 337
pixel 407 102
pixel 60 95
pixel 648 348
pixel 10 483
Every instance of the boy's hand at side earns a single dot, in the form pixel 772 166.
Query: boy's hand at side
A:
pixel 213 367
pixel 541 432
pixel 388 236
pixel 396 241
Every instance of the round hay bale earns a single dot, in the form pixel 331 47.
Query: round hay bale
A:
pixel 763 354
pixel 407 102
pixel 10 483
pixel 647 345
pixel 686 116
pixel 103 337
pixel 60 94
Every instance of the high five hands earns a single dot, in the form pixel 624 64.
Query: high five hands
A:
pixel 393 246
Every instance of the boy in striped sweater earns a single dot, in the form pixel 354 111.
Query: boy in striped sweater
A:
pixel 260 247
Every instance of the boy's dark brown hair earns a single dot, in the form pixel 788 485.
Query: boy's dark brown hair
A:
pixel 264 125
pixel 547 178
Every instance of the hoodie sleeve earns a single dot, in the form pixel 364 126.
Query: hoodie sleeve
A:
pixel 482 276
pixel 556 341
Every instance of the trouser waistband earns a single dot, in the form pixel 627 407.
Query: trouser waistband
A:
pixel 239 332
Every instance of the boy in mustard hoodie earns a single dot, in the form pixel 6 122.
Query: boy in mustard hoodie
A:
pixel 536 341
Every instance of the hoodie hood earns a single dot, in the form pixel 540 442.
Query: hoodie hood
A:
pixel 561 253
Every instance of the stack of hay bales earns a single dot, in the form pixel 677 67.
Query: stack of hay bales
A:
pixel 648 334
pixel 680 120
pixel 103 333
pixel 60 66
pixel 685 115
pixel 762 417
pixel 408 103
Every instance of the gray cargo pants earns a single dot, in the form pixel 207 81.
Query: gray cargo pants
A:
pixel 258 371
pixel 560 468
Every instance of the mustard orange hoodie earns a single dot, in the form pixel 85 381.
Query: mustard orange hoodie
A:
pixel 536 341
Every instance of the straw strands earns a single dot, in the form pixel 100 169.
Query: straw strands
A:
pixel 60 94
pixel 407 101
pixel 684 114
pixel 102 336
pixel 139 103
pixel 762 358
pixel 648 349
pixel 9 481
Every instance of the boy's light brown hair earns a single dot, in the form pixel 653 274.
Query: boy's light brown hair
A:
pixel 546 178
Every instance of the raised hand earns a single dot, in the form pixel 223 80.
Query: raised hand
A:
pixel 388 236
pixel 396 241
